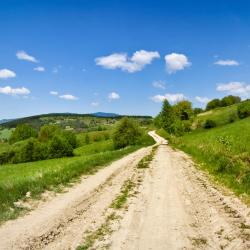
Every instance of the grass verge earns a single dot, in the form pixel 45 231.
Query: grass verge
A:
pixel 16 180
pixel 145 161
pixel 224 152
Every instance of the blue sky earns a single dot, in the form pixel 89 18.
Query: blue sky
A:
pixel 120 56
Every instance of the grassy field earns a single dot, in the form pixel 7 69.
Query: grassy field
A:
pixel 5 133
pixel 221 116
pixel 223 151
pixel 36 177
pixel 95 147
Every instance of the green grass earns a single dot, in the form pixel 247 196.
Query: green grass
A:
pixel 145 161
pixel 125 193
pixel 36 177
pixel 220 115
pixel 5 133
pixel 95 147
pixel 223 151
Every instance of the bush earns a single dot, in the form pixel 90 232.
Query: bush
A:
pixel 244 109
pixel 215 103
pixel 47 132
pixel 126 133
pixel 22 132
pixel 6 156
pixel 59 147
pixel 209 124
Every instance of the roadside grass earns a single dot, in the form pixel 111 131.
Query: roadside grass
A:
pixel 223 151
pixel 95 147
pixel 36 177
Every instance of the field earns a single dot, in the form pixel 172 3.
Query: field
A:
pixel 223 151
pixel 221 116
pixel 36 177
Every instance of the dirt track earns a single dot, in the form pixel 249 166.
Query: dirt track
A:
pixel 175 207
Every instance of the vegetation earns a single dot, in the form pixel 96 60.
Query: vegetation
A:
pixel 244 109
pixel 145 161
pixel 224 149
pixel 126 133
pixel 224 102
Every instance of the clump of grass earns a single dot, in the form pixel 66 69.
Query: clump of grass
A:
pixel 125 193
pixel 145 161
pixel 99 233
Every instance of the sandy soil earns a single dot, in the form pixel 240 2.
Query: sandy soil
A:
pixel 175 207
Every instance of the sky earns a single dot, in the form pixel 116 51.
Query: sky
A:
pixel 124 57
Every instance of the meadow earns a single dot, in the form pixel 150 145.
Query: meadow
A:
pixel 222 151
pixel 16 180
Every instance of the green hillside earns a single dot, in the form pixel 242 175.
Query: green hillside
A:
pixel 223 151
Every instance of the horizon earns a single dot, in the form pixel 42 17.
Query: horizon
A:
pixel 120 57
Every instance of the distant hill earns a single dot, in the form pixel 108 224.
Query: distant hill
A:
pixel 103 114
pixel 70 120
pixel 5 120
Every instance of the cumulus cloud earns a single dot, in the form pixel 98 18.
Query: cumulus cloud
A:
pixel 113 96
pixel 53 92
pixel 176 62
pixel 130 64
pixel 7 90
pixel 202 100
pixel 238 88
pixel 22 55
pixel 159 84
pixel 94 104
pixel 227 63
pixel 68 97
pixel 6 73
pixel 39 68
pixel 173 98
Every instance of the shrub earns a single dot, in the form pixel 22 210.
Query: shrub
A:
pixel 59 147
pixel 47 131
pixel 6 156
pixel 232 117
pixel 87 140
pixel 22 132
pixel 126 133
pixel 209 124
pixel 244 109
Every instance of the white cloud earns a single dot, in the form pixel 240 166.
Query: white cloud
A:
pixel 238 88
pixel 227 63
pixel 6 73
pixel 22 55
pixel 14 91
pixel 113 96
pixel 39 68
pixel 170 97
pixel 68 97
pixel 130 64
pixel 53 92
pixel 159 84
pixel 94 104
pixel 176 62
pixel 202 100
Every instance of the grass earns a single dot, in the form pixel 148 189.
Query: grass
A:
pixel 125 193
pixel 5 133
pixel 223 151
pixel 221 116
pixel 36 177
pixel 95 147
pixel 145 161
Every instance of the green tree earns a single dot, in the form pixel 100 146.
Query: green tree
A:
pixel 47 132
pixel 126 133
pixel 230 100
pixel 198 111
pixel 215 103
pixel 22 132
pixel 183 110
pixel 167 116
pixel 244 109
pixel 58 147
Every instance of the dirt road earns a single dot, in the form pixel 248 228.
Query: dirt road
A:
pixel 174 206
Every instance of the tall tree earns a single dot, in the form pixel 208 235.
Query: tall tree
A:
pixel 167 116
